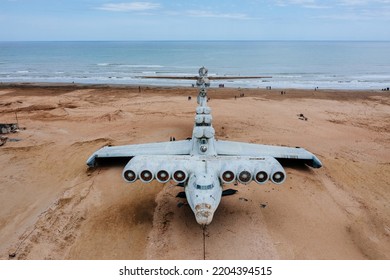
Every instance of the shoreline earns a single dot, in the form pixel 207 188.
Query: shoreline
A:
pixel 151 85
pixel 56 89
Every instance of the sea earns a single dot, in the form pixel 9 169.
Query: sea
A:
pixel 291 64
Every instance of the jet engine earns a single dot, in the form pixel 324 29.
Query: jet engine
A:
pixel 147 168
pixel 244 170
pixel 244 175
pixel 278 174
pixel 261 176
pixel 146 175
pixel 131 170
pixel 138 168
pixel 227 176
pixel 163 175
pixel 180 176
pixel 130 175
pixel 278 177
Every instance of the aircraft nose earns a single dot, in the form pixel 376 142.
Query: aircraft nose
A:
pixel 204 214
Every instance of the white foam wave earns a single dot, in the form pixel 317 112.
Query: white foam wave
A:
pixel 311 81
pixel 140 66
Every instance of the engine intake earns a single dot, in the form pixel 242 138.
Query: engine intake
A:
pixel 130 176
pixel 244 175
pixel 278 177
pixel 227 176
pixel 163 176
pixel 146 176
pixel 180 176
pixel 261 177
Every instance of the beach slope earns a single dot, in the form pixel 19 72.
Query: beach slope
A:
pixel 53 207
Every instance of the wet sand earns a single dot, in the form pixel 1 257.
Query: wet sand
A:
pixel 53 207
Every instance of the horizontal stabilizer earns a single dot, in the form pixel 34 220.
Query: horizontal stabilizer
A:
pixel 208 77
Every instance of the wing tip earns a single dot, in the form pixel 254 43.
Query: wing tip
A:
pixel 315 162
pixel 91 162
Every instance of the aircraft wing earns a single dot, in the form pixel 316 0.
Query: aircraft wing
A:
pixel 208 77
pixel 182 147
pixel 282 154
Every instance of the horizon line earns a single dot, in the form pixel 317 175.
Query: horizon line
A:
pixel 201 40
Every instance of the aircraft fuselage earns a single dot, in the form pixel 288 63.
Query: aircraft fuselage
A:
pixel 203 164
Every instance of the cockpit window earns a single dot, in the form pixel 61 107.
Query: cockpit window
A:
pixel 207 187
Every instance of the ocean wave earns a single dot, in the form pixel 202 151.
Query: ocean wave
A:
pixel 288 76
pixel 167 82
pixel 135 78
pixel 131 65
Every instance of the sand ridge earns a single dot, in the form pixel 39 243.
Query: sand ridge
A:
pixel 54 207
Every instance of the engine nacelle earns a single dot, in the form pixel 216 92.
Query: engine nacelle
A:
pixel 131 170
pixel 146 175
pixel 244 174
pixel 227 176
pixel 139 168
pixel 130 175
pixel 180 175
pixel 163 175
pixel 278 175
pixel 148 168
pixel 261 176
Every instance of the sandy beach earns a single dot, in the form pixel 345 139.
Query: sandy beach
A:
pixel 53 207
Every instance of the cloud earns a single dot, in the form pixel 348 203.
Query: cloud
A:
pixel 362 2
pixel 353 2
pixel 328 4
pixel 129 7
pixel 308 4
pixel 208 14
pixel 360 15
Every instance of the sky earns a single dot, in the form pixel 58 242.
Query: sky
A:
pixel 58 20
